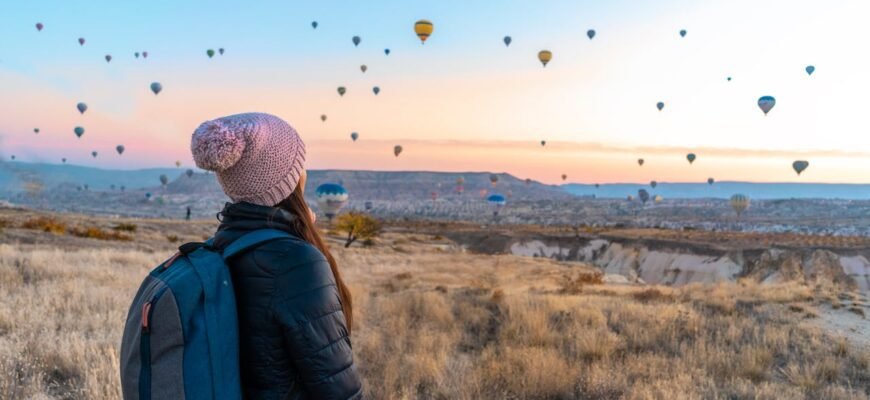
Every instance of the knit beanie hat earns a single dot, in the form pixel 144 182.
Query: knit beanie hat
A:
pixel 258 158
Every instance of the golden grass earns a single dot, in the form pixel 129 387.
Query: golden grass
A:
pixel 442 324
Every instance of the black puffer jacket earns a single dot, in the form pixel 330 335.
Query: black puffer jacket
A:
pixel 294 340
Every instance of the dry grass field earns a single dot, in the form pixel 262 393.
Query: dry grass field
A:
pixel 434 322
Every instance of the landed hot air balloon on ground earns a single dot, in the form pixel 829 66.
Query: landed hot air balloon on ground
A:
pixel 810 69
pixel 341 90
pixel 79 131
pixel 800 166
pixel 120 149
pixel 423 28
pixel 544 56
pixel 590 34
pixel 660 105
pixel 496 202
pixel 691 157
pixel 766 103
pixel 643 195
pixel 739 203
pixel 354 136
pixel 507 41
pixel 82 107
pixel 397 150
pixel 331 197
pixel 156 87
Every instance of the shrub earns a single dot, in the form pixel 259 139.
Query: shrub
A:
pixel 172 238
pixel 358 226
pixel 574 285
pixel 45 224
pixel 125 227
pixel 93 232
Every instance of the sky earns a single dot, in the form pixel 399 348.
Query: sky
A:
pixel 463 101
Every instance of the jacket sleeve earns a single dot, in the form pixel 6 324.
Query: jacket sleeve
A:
pixel 308 308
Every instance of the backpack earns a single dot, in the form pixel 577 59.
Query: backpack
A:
pixel 181 340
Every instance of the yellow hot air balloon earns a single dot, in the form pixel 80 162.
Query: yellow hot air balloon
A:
pixel 178 163
pixel 545 56
pixel 423 28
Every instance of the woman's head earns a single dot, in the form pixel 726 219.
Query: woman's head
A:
pixel 258 158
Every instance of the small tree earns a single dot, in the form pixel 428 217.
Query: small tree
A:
pixel 358 226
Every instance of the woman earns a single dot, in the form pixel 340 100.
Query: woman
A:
pixel 295 312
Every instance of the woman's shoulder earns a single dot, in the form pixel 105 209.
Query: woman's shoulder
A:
pixel 287 254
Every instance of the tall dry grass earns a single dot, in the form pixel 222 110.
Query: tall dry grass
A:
pixel 435 323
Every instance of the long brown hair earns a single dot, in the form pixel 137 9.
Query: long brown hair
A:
pixel 304 226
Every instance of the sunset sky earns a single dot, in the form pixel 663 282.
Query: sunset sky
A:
pixel 463 101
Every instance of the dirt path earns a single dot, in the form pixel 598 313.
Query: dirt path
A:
pixel 846 322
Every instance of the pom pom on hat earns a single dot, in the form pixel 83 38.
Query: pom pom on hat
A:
pixel 216 147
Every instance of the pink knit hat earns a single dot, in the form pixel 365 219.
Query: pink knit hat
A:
pixel 258 158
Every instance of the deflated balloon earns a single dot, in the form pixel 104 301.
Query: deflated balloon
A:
pixel 356 40
pixel 766 103
pixel 544 56
pixel 590 33
pixel 397 150
pixel 800 166
pixel 341 90
pixel 423 28
pixel 507 41
pixel 82 107
pixel 120 149
pixel 739 203
pixel 156 87
pixel 354 136
pixel 691 157
pixel 79 131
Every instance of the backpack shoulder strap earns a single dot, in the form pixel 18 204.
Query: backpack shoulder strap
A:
pixel 251 240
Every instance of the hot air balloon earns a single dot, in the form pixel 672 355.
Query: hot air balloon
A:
pixel 800 165
pixel 177 163
pixel 710 181
pixel 564 177
pixel 590 34
pixel 423 28
pixel 39 26
pixel 691 157
pixel 221 51
pixel 136 54
pixel 496 202
pixel 653 184
pixel 728 79
pixel 112 186
pixel 354 136
pixel 544 56
pixel 341 90
pixel 120 149
pixel 164 180
pixel 460 185
pixel 493 178
pixel 369 205
pixel 82 107
pixel 643 195
pixel 331 197
pixel 356 40
pixel 36 130
pixel 660 105
pixel 766 103
pixel 189 173
pixel 387 52
pixel 640 161
pixel 156 87
pixel 209 53
pixel 739 203
pixel 108 58
pixel 79 131
pixel 397 150
pixel 376 90
pixel 528 181
pixel 630 198
pixel 363 68
pixel 13 157
pixel 682 33
pixel 81 41
pixel 94 154
pixel 543 143
pixel 810 69
pixel 144 54
pixel 63 160
pixel 313 24
pixel 148 195
pixel 122 188
pixel 507 41
pixel 658 199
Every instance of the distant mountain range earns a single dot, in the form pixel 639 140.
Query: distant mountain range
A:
pixel 396 185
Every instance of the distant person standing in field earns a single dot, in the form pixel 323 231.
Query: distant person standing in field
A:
pixel 295 312
pixel 187 217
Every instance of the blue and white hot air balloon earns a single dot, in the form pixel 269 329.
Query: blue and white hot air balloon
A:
pixel 496 201
pixel 331 197
pixel 766 103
